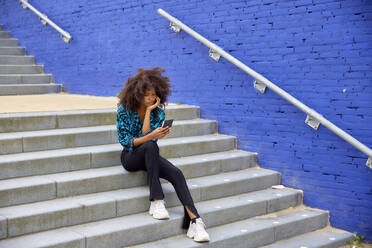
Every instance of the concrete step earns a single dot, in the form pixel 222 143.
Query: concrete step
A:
pixel 10 42
pixel 60 160
pixel 32 189
pixel 128 230
pixel 26 79
pixel 16 60
pixel 21 69
pixel 324 238
pixel 253 232
pixel 35 217
pixel 87 136
pixel 18 122
pixel 4 34
pixel 32 121
pixel 27 89
pixel 12 50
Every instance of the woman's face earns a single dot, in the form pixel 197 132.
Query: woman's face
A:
pixel 149 98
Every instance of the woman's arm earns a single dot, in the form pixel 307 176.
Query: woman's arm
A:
pixel 141 140
pixel 124 131
pixel 146 122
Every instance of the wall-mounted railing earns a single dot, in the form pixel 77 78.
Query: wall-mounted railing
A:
pixel 45 20
pixel 313 119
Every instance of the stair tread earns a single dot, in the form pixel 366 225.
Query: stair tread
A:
pixel 77 112
pixel 20 66
pixel 16 56
pixel 29 85
pixel 56 113
pixel 326 237
pixel 25 74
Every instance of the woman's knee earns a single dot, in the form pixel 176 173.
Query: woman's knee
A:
pixel 150 145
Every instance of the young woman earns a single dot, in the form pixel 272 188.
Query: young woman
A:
pixel 139 121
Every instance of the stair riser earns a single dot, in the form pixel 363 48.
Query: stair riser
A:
pixel 37 121
pixel 324 238
pixel 11 60
pixel 179 150
pixel 8 42
pixel 28 144
pixel 30 89
pixel 68 162
pixel 12 51
pixel 29 79
pixel 19 69
pixel 188 113
pixel 103 209
pixel 4 35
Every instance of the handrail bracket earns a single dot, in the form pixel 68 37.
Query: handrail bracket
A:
pixel 369 162
pixel 43 20
pixel 260 86
pixel 66 38
pixel 175 27
pixel 24 5
pixel 312 122
pixel 214 54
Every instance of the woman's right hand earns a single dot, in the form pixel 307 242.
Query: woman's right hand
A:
pixel 159 132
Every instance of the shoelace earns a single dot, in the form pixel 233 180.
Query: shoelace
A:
pixel 158 205
pixel 201 222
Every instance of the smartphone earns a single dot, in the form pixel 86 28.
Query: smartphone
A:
pixel 168 123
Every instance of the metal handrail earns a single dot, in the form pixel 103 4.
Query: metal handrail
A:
pixel 45 20
pixel 313 119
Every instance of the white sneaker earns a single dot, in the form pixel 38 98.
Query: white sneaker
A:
pixel 157 210
pixel 197 231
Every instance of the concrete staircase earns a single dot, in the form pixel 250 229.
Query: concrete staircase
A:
pixel 62 185
pixel 19 75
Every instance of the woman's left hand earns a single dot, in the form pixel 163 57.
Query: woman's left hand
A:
pixel 156 104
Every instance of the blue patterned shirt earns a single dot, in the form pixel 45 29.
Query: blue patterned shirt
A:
pixel 128 128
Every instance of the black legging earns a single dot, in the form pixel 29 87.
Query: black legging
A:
pixel 146 157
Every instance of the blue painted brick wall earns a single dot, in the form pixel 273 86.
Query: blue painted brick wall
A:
pixel 320 51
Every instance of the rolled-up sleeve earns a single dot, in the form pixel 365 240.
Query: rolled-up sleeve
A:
pixel 156 120
pixel 125 136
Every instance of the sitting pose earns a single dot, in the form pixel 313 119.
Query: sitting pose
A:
pixel 139 120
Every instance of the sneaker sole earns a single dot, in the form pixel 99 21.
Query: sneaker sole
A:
pixel 200 240
pixel 159 218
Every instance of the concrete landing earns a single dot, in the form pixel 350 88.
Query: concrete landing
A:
pixel 54 102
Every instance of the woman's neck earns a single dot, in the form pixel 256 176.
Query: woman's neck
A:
pixel 141 109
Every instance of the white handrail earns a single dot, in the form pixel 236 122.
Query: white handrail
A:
pixel 45 20
pixel 313 118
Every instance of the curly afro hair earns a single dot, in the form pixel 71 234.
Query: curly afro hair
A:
pixel 145 79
